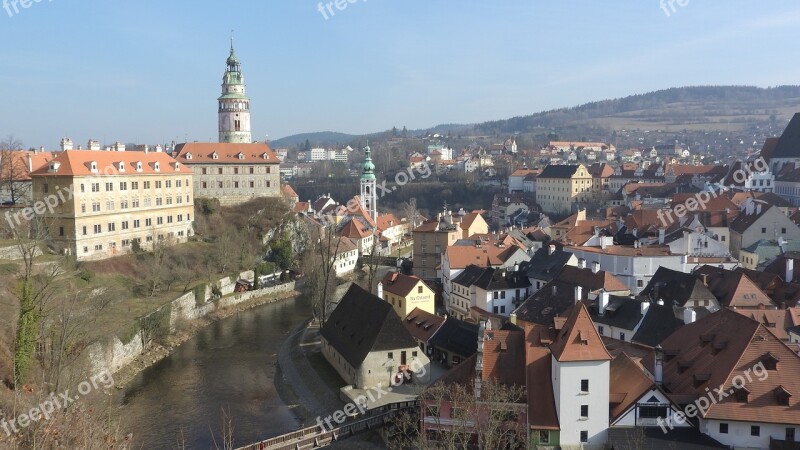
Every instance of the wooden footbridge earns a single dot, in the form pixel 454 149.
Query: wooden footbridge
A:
pixel 319 437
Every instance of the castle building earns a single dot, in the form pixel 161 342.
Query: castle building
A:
pixel 236 169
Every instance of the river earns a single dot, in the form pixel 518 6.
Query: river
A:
pixel 229 365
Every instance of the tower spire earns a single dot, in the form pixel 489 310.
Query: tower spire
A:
pixel 369 196
pixel 234 105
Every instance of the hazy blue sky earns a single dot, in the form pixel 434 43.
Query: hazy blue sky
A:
pixel 149 71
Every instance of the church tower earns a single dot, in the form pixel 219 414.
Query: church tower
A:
pixel 368 195
pixel 234 105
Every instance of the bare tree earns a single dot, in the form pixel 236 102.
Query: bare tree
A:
pixel 411 212
pixel 456 418
pixel 13 171
pixel 320 267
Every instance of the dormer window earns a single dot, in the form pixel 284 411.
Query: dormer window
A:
pixel 138 166
pixel 189 156
pixel 240 156
pixel 782 396
pixel 93 166
pixel 742 394
pixel 770 361
pixel 121 166
pixel 177 167
pixel 54 166
pixel 157 166
pixel 215 155
pixel 265 155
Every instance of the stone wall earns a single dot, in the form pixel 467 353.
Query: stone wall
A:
pixel 114 352
pixel 10 253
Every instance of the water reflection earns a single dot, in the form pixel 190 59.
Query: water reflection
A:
pixel 229 365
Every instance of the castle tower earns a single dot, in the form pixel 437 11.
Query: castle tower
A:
pixel 234 105
pixel 368 195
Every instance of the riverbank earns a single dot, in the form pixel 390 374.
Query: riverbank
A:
pixel 185 331
pixel 310 387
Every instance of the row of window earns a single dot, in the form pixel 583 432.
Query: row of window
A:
pixel 236 170
pixel 129 242
pixel 125 225
pixel 755 430
pixel 134 185
pixel 236 184
pixel 134 203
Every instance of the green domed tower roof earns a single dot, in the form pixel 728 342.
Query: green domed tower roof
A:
pixel 369 168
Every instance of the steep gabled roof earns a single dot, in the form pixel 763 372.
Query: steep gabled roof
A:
pixel 733 289
pixel 725 346
pixel 504 357
pixel 627 384
pixel 363 323
pixel 578 339
pixel 676 288
pixel 788 145
pixel 541 401
pixel 659 323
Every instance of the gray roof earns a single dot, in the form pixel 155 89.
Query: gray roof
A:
pixel 491 279
pixel 789 143
pixel 621 312
pixel 363 323
pixel 545 267
pixel 658 324
pixel 559 171
pixel 456 336
pixel 676 288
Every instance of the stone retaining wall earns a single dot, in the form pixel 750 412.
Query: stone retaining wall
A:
pixel 113 354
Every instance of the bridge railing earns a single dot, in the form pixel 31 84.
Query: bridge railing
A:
pixel 317 437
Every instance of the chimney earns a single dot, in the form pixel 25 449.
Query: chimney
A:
pixel 380 290
pixel 661 233
pixel 659 369
pixel 789 270
pixel 602 302
pixel 749 207
pixel 578 294
pixel 551 249
pixel 30 162
pixel 660 302
pixel 689 316
pixel 581 263
pixel 644 307
pixel 516 267
pixel 705 279
pixel 595 267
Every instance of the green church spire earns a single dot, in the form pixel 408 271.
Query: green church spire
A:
pixel 369 168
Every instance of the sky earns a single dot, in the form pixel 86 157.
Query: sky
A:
pixel 149 71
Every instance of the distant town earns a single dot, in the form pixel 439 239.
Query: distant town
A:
pixel 461 291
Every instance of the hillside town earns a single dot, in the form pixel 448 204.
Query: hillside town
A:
pixel 596 295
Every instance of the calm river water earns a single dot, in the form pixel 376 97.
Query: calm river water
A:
pixel 229 365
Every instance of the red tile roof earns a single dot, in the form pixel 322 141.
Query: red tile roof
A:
pixel 203 153
pixel 504 357
pixel 15 165
pixel 578 339
pixel 725 346
pixel 628 383
pixel 422 324
pixel 399 284
pixel 78 163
